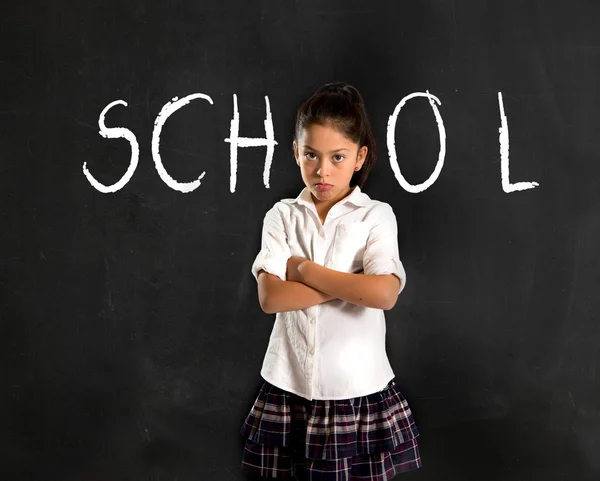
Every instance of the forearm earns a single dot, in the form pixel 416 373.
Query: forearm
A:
pixel 374 291
pixel 276 295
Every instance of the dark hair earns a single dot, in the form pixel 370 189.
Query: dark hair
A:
pixel 341 106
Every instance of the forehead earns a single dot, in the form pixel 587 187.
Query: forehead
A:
pixel 324 138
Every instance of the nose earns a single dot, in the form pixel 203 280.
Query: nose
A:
pixel 323 169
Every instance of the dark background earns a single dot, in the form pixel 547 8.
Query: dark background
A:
pixel 131 335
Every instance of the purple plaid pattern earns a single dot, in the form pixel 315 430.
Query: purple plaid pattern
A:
pixel 371 437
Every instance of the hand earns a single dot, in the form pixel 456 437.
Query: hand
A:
pixel 292 273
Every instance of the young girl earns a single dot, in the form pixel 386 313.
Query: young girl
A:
pixel 328 266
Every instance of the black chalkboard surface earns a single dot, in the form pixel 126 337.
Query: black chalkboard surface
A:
pixel 132 337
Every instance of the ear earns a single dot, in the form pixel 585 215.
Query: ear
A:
pixel 295 146
pixel 361 157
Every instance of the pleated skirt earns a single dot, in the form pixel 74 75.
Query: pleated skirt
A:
pixel 370 438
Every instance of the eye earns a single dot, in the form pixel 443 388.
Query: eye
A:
pixel 310 155
pixel 338 157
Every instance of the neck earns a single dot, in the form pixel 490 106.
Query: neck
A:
pixel 324 206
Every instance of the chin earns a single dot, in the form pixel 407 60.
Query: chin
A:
pixel 323 195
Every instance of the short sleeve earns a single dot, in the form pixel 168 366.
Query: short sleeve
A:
pixel 381 253
pixel 274 251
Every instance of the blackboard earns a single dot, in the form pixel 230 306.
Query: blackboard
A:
pixel 132 337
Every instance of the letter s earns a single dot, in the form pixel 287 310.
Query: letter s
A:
pixel 115 133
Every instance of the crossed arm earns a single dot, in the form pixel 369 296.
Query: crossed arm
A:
pixel 309 284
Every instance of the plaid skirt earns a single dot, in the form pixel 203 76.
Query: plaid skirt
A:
pixel 370 438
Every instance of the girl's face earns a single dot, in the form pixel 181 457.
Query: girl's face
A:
pixel 327 161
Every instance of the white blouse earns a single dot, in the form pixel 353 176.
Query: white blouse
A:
pixel 335 350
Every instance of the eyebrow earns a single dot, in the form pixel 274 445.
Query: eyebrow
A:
pixel 306 146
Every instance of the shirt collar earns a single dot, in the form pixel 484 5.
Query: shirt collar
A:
pixel 356 197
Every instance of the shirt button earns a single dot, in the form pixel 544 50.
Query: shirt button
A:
pixel 322 232
pixel 311 320
pixel 312 351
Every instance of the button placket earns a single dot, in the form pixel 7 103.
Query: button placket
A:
pixel 311 347
pixel 311 331
pixel 320 245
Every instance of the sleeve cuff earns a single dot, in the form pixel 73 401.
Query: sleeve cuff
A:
pixel 394 266
pixel 269 263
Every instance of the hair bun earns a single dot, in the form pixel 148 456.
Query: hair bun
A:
pixel 342 88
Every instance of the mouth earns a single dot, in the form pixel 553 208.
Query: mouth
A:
pixel 323 187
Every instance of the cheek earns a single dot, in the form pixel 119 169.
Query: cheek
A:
pixel 349 170
pixel 306 168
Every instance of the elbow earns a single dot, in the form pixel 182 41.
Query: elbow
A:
pixel 389 297
pixel 265 292
pixel 388 302
pixel 382 300
pixel 268 309
pixel 268 302
pixel 265 305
